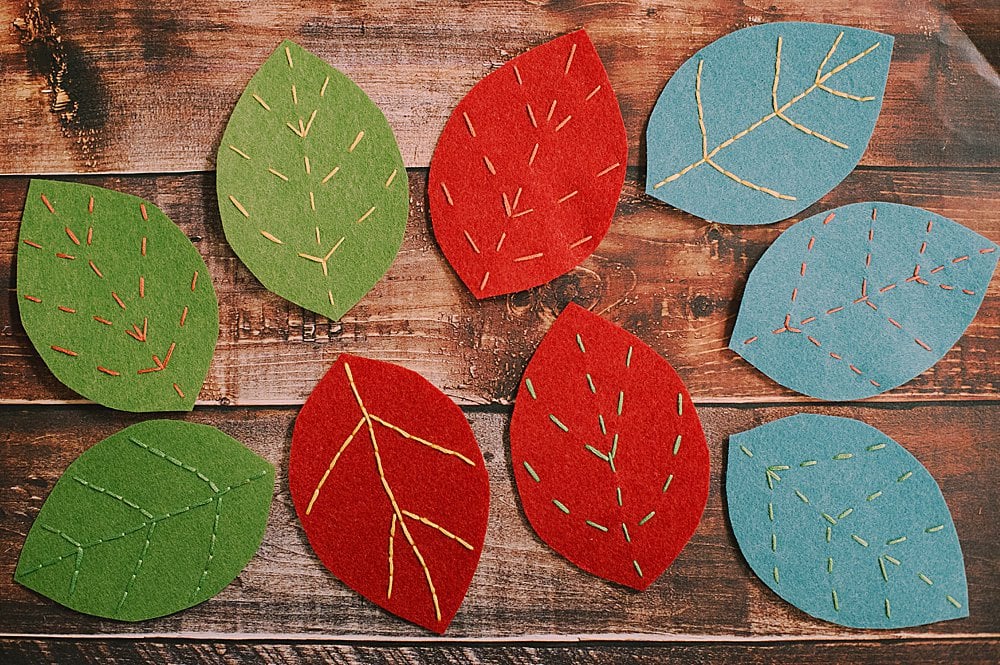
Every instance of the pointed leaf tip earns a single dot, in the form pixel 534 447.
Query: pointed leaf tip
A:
pixel 391 488
pixel 608 452
pixel 114 297
pixel 853 302
pixel 527 173
pixel 763 122
pixel 154 519
pixel 845 524
pixel 311 185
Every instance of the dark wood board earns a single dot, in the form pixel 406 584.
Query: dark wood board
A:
pixel 521 588
pixel 673 280
pixel 122 651
pixel 135 86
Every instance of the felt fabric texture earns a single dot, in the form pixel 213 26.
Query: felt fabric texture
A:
pixel 114 297
pixel 156 518
pixel 608 452
pixel 763 122
pixel 391 488
pixel 858 300
pixel 526 175
pixel 311 186
pixel 842 522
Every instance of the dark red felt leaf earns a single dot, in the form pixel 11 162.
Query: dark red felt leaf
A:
pixel 383 462
pixel 527 173
pixel 598 413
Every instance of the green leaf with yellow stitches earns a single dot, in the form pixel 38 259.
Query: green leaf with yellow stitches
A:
pixel 311 186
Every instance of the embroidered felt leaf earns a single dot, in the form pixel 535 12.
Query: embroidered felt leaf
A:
pixel 763 122
pixel 311 185
pixel 527 173
pixel 115 298
pixel 608 452
pixel 391 488
pixel 853 302
pixel 156 518
pixel 845 524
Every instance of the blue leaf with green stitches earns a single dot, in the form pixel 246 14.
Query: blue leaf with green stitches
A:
pixel 762 123
pixel 853 302
pixel 842 522
pixel 154 519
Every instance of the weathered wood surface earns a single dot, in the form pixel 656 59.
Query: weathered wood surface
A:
pixel 122 651
pixel 128 86
pixel 671 279
pixel 521 588
pixel 141 87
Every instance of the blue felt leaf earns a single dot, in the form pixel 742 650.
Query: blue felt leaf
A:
pixel 763 122
pixel 842 522
pixel 856 301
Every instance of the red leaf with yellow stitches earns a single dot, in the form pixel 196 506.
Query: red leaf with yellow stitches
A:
pixel 608 452
pixel 391 488
pixel 527 173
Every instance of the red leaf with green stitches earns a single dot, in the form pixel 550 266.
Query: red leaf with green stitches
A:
pixel 608 452
pixel 391 488
pixel 527 173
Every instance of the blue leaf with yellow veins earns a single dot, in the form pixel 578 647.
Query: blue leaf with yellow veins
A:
pixel 845 524
pixel 853 302
pixel 762 123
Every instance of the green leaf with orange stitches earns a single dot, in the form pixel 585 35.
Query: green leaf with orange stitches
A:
pixel 154 519
pixel 115 298
pixel 311 186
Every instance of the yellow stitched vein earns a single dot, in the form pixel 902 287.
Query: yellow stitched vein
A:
pixel 819 83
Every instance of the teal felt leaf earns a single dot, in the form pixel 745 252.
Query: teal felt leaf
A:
pixel 763 122
pixel 311 186
pixel 156 518
pixel 858 300
pixel 845 524
pixel 114 297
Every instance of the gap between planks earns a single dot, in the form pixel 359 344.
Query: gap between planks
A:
pixel 525 640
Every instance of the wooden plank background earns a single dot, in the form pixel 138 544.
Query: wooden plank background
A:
pixel 134 96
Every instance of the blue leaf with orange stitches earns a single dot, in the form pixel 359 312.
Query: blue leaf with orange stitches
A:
pixel 856 301
pixel 154 519
pixel 760 124
pixel 842 522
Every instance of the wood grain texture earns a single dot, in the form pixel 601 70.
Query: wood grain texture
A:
pixel 129 86
pixel 121 651
pixel 521 588
pixel 669 278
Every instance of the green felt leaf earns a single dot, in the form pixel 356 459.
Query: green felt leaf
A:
pixel 311 186
pixel 115 298
pixel 156 518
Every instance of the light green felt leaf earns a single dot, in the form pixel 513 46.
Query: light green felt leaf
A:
pixel 311 186
pixel 156 518
pixel 115 298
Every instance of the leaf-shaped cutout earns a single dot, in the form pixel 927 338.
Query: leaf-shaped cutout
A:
pixel 391 488
pixel 526 175
pixel 114 297
pixel 858 300
pixel 762 123
pixel 608 452
pixel 845 524
pixel 154 519
pixel 311 186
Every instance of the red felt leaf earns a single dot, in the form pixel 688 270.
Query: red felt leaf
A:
pixel 391 488
pixel 608 452
pixel 527 173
